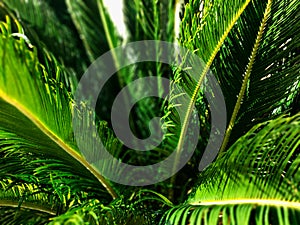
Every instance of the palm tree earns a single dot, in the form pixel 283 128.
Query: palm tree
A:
pixel 251 47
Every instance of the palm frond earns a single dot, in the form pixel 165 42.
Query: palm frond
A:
pixel 150 20
pixel 275 64
pixel 50 168
pixel 43 28
pixel 141 207
pixel 118 212
pixel 255 181
pixel 247 74
pixel 210 16
pixel 37 184
pixel 11 216
pixel 99 35
pixel 200 25
pixel 37 108
pixel 228 52
pixel 94 25
pixel 23 202
pixel 28 196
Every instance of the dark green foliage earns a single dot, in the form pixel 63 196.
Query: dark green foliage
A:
pixel 252 48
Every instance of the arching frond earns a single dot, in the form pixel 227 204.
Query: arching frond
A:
pixel 274 65
pixel 118 212
pixel 94 25
pixel 45 30
pixel 35 107
pixel 142 207
pixel 150 20
pixel 254 182
pixel 251 47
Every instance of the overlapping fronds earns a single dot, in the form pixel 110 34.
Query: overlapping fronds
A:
pixel 45 30
pixel 94 25
pixel 255 182
pixel 36 108
pixel 251 47
pixel 150 20
pixel 251 52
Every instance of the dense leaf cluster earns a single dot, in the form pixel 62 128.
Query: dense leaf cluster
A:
pixel 251 46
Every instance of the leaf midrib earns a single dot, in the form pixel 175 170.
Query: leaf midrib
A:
pixel 247 76
pixel 27 205
pixel 201 79
pixel 45 129
pixel 245 201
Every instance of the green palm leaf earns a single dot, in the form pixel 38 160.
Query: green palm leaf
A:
pixel 93 212
pixel 248 83
pixel 274 66
pixel 43 28
pixel 237 52
pixel 94 25
pixel 26 199
pixel 212 41
pixel 99 35
pixel 256 181
pixel 37 108
pixel 10 216
pixel 150 20
pixel 195 32
pixel 251 46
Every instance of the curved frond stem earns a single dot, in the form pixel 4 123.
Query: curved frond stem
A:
pixel 199 83
pixel 26 205
pixel 177 9
pixel 258 174
pixel 58 141
pixel 108 35
pixel 106 28
pixel 246 76
pixel 262 202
